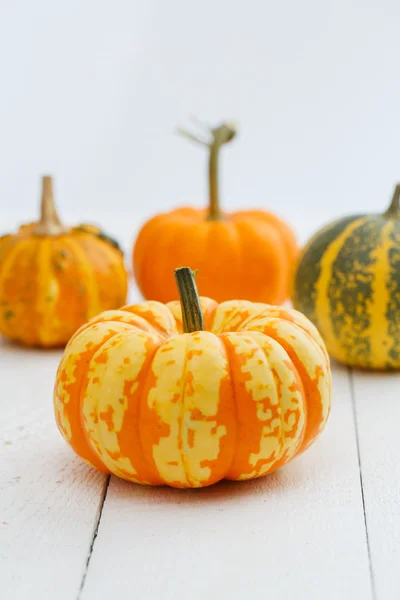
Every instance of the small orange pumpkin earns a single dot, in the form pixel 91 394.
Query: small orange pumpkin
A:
pixel 188 394
pixel 254 249
pixel 53 279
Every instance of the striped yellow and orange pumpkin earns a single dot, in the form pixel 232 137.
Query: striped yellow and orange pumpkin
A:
pixel 157 395
pixel 348 284
pixel 53 279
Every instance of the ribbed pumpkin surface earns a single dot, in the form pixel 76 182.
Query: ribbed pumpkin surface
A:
pixel 50 286
pixel 54 278
pixel 348 284
pixel 138 398
pixel 255 249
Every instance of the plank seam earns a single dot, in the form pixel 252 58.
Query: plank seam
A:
pixel 354 410
pixel 95 533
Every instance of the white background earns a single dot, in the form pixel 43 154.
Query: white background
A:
pixel 91 91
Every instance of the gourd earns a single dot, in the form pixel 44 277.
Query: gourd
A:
pixel 53 278
pixel 191 392
pixel 348 284
pixel 255 249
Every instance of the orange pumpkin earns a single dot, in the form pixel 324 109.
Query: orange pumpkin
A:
pixel 53 279
pixel 188 394
pixel 254 249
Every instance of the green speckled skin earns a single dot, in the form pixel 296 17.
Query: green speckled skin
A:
pixel 309 267
pixel 351 286
pixel 348 284
pixel 393 308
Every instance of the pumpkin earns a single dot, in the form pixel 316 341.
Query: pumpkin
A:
pixel 53 279
pixel 348 283
pixel 255 249
pixel 189 393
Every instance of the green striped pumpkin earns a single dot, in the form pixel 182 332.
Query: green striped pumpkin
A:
pixel 348 284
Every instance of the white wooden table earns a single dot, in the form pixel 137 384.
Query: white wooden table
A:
pixel 326 526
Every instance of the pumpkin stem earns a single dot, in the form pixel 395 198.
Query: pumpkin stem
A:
pixel 49 223
pixel 219 136
pixel 394 209
pixel 192 316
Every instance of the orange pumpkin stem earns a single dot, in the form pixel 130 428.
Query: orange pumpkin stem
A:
pixel 192 316
pixel 393 212
pixel 219 136
pixel 49 223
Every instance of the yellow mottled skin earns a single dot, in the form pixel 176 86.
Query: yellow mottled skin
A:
pixel 158 406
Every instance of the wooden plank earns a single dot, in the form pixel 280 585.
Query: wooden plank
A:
pixel 49 500
pixel 377 409
pixel 298 533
